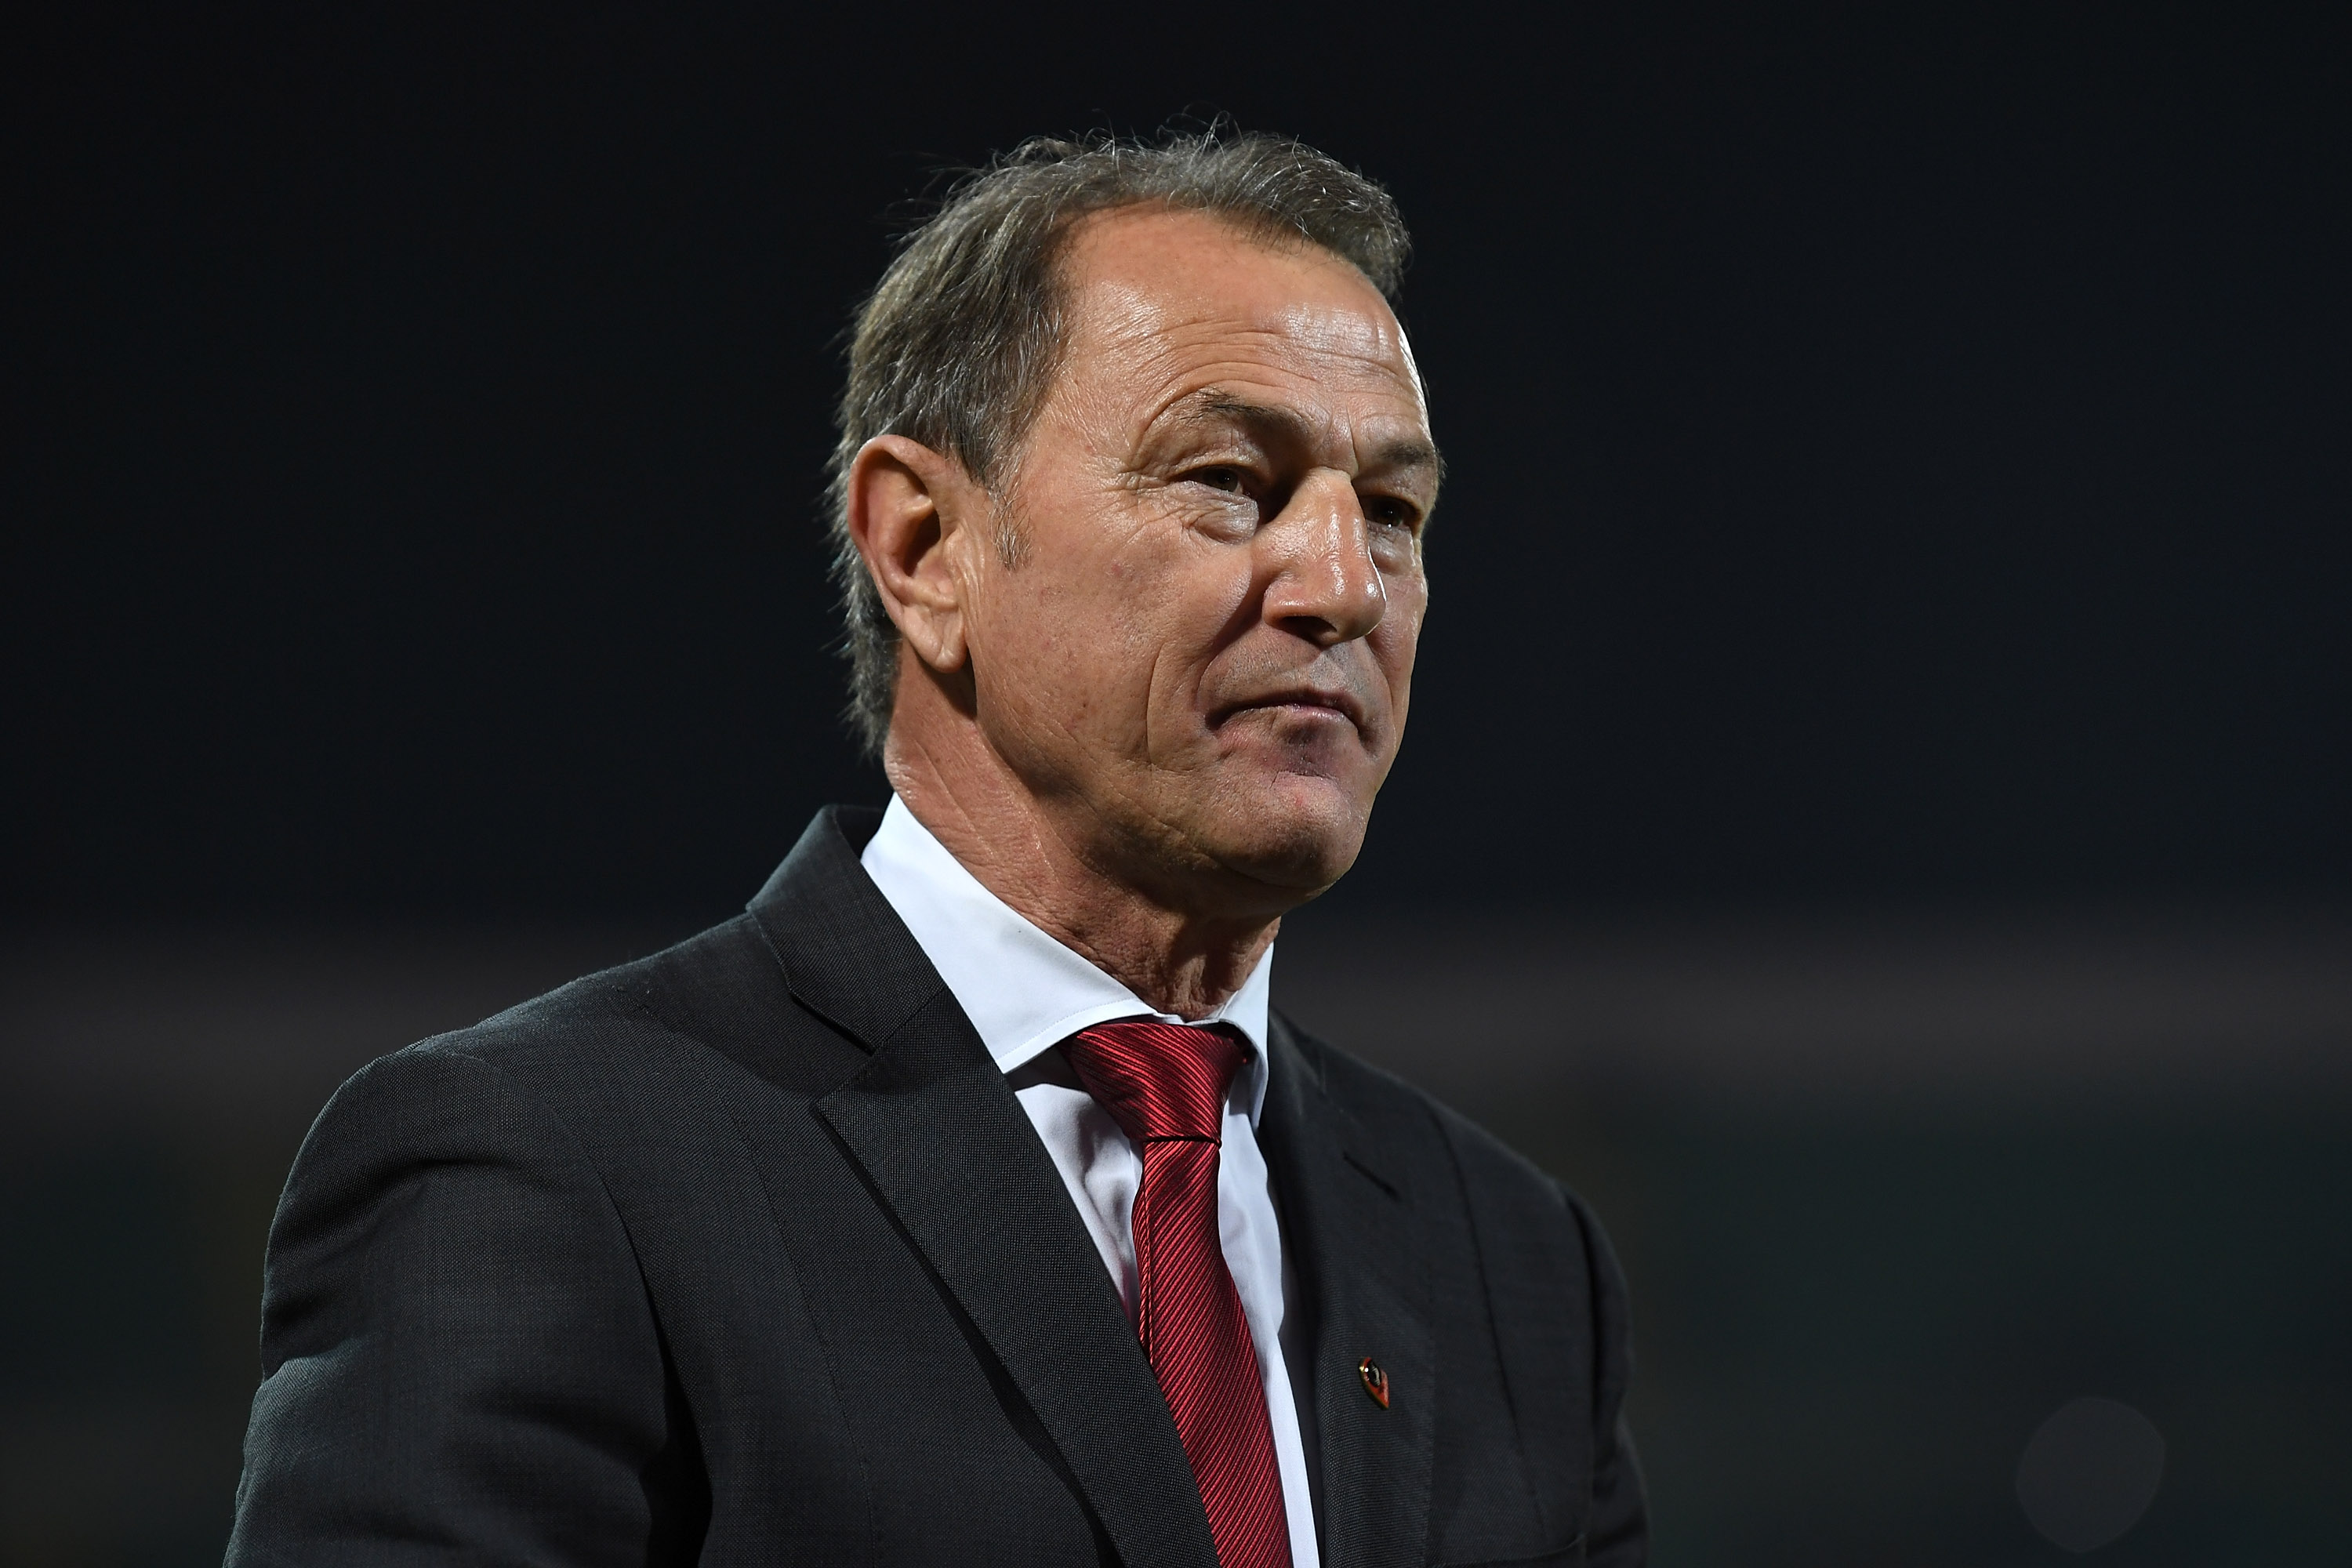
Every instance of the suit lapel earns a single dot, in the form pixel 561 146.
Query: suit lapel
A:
pixel 1350 1223
pixel 949 1151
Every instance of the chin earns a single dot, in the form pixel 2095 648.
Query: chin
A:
pixel 1296 832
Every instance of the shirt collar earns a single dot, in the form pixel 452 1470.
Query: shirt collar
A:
pixel 1024 991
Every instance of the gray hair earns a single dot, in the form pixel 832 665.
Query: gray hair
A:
pixel 959 344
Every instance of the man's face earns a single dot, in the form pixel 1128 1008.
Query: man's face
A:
pixel 1199 659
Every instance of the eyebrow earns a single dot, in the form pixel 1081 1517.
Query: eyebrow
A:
pixel 1215 404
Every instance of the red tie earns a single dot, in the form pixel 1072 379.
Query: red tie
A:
pixel 1165 1086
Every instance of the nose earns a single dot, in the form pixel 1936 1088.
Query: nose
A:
pixel 1326 586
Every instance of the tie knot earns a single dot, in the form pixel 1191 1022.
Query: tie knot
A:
pixel 1158 1081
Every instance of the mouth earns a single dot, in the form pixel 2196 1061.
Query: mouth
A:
pixel 1302 702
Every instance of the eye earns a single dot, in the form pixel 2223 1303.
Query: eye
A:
pixel 1232 482
pixel 1392 511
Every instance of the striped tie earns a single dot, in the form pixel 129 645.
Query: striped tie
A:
pixel 1165 1086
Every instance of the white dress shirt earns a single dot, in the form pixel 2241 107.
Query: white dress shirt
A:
pixel 1026 993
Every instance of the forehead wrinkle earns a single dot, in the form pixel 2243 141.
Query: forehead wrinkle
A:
pixel 1198 348
pixel 1296 333
pixel 1289 351
pixel 1331 329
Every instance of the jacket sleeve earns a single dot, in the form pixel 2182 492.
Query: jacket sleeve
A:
pixel 460 1362
pixel 1617 1532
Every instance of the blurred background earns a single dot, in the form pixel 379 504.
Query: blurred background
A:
pixel 1875 815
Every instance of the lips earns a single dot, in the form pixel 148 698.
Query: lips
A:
pixel 1342 702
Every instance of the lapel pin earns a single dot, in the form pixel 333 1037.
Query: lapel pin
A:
pixel 1376 1381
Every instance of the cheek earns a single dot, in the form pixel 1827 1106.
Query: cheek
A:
pixel 1190 633
pixel 1089 649
pixel 1107 627
pixel 1397 640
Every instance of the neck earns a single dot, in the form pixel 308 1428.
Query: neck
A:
pixel 1177 957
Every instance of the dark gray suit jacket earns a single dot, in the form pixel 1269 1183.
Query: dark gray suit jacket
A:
pixel 745 1253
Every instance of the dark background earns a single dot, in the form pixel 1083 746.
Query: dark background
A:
pixel 1892 452
pixel 1897 523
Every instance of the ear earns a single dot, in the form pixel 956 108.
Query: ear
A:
pixel 915 516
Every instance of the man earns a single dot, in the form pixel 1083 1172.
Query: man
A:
pixel 965 1201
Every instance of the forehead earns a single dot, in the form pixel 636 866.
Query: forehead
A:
pixel 1166 302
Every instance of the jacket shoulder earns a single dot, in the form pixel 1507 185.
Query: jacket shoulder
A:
pixel 717 997
pixel 660 989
